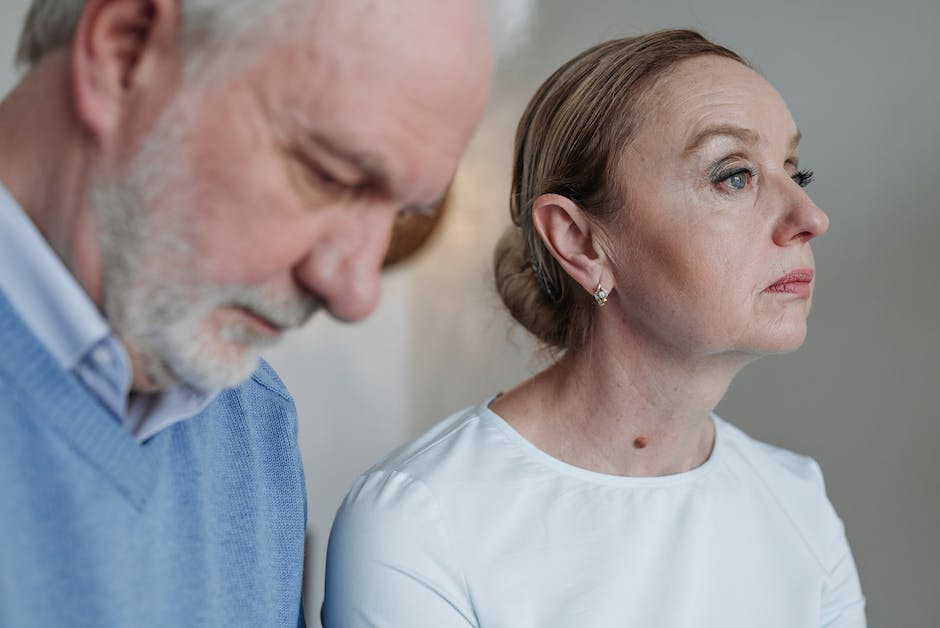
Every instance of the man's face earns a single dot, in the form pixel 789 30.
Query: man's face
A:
pixel 258 198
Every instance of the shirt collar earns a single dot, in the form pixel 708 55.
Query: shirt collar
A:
pixel 65 320
pixel 43 291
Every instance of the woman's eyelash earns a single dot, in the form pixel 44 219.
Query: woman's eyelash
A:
pixel 719 175
pixel 804 178
pixel 735 178
pixel 724 175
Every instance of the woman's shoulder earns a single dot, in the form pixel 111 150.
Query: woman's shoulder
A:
pixel 794 482
pixel 433 442
pixel 774 464
pixel 391 549
pixel 464 445
pixel 463 464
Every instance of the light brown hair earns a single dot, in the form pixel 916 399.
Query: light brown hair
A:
pixel 569 142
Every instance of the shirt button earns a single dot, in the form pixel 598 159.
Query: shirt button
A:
pixel 101 356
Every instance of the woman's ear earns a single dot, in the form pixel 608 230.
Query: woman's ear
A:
pixel 574 240
pixel 123 52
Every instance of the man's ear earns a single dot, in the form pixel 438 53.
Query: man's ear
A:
pixel 573 240
pixel 120 49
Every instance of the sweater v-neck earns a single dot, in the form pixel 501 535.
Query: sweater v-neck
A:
pixel 54 399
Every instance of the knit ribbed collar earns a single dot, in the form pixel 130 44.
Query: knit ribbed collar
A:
pixel 55 400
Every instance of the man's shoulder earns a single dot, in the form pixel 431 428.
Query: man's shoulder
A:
pixel 263 386
pixel 266 377
pixel 261 406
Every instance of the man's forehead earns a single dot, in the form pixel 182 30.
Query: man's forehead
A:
pixel 372 86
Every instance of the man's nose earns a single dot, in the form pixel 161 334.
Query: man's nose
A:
pixel 343 269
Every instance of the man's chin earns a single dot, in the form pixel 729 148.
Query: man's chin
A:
pixel 205 355
pixel 210 369
pixel 211 377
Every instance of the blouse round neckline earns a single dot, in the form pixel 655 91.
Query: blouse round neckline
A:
pixel 541 457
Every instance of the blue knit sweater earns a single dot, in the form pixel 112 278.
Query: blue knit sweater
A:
pixel 203 525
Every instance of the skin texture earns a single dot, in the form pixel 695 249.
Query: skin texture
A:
pixel 695 257
pixel 689 261
pixel 212 215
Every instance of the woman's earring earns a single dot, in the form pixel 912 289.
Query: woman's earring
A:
pixel 600 295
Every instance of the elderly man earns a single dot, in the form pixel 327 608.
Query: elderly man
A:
pixel 180 182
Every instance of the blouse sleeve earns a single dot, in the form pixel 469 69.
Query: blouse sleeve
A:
pixel 843 604
pixel 390 563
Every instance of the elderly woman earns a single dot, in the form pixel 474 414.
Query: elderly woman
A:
pixel 661 242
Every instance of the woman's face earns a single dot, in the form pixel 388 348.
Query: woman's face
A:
pixel 713 250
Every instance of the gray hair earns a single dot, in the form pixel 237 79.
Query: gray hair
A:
pixel 50 24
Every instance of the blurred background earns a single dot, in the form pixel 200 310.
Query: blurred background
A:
pixel 862 80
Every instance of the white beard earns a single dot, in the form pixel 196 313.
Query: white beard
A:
pixel 154 296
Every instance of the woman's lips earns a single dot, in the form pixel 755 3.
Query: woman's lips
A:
pixel 796 282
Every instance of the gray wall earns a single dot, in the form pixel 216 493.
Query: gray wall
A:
pixel 861 78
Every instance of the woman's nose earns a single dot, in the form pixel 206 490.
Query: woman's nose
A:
pixel 801 220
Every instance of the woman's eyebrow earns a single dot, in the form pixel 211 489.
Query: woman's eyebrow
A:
pixel 746 136
pixel 796 140
pixel 742 134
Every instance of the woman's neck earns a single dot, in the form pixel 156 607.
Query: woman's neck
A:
pixel 622 408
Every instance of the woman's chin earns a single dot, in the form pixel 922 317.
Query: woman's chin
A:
pixel 782 340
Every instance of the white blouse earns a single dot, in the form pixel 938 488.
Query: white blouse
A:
pixel 472 525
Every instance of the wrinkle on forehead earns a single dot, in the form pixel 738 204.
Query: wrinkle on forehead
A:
pixel 713 93
pixel 433 55
pixel 440 37
pixel 398 84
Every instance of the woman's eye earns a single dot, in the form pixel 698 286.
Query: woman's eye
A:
pixel 733 181
pixel 738 180
pixel 728 177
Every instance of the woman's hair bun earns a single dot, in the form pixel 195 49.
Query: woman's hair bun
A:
pixel 524 294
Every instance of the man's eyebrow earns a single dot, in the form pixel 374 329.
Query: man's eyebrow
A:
pixel 742 134
pixel 370 165
pixel 375 173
